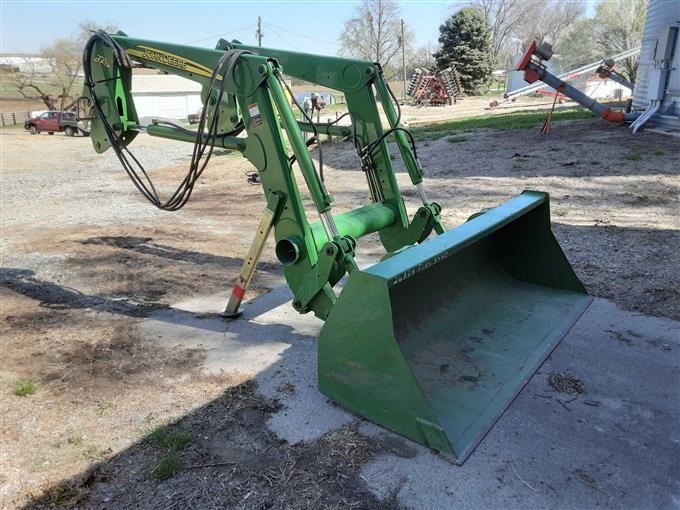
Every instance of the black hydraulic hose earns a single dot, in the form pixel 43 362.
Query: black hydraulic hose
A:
pixel 198 163
pixel 373 145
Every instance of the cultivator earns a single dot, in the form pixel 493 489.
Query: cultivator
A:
pixel 434 89
pixel 434 341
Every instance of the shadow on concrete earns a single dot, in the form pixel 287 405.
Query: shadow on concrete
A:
pixel 53 296
pixel 233 460
pixel 603 448
pixel 145 246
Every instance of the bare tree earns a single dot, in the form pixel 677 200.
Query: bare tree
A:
pixel 515 23
pixel 374 33
pixel 504 17
pixel 88 27
pixel 52 76
pixel 548 20
pixel 622 24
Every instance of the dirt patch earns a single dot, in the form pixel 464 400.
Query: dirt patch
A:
pixel 564 382
pixel 615 218
pixel 232 461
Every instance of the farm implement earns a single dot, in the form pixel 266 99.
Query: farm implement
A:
pixel 434 89
pixel 534 70
pixel 434 341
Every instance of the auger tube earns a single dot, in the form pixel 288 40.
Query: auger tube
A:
pixel 534 70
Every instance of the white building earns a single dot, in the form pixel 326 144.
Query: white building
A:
pixel 25 62
pixel 657 85
pixel 165 96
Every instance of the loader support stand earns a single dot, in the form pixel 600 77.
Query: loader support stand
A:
pixel 242 283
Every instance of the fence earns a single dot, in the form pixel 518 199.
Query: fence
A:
pixel 13 118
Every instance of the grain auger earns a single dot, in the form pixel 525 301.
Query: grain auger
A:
pixel 434 341
pixel 532 63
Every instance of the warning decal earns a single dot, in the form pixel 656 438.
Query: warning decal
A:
pixel 254 113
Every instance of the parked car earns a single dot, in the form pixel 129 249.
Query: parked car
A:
pixel 193 118
pixel 52 122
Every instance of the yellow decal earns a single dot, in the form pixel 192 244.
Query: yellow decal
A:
pixel 99 59
pixel 171 60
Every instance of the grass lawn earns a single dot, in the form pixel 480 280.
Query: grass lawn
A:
pixel 519 120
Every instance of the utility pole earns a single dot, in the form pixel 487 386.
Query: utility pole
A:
pixel 403 59
pixel 258 34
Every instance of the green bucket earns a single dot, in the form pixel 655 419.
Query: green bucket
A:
pixel 435 342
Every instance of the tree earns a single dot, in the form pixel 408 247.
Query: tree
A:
pixel 504 18
pixel 374 33
pixel 548 20
pixel 420 59
pixel 579 45
pixel 617 26
pixel 466 45
pixel 53 77
pixel 521 21
pixel 622 23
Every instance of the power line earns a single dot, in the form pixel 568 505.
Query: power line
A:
pixel 276 33
pixel 220 35
pixel 302 35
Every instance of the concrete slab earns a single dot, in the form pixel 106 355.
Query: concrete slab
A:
pixel 616 446
pixel 271 342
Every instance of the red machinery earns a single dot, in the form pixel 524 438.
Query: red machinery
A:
pixel 534 70
pixel 434 89
pixel 606 70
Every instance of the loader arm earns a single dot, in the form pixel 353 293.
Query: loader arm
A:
pixel 434 341
pixel 321 252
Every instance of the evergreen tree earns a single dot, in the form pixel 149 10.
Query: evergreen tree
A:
pixel 466 45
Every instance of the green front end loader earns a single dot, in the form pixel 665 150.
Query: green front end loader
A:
pixel 434 341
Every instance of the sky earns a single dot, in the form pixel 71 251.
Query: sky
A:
pixel 307 26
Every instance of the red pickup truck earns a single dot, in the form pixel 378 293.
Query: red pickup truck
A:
pixel 54 121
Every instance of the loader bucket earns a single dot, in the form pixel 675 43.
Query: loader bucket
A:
pixel 435 342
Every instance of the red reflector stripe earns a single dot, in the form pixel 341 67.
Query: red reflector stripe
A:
pixel 238 292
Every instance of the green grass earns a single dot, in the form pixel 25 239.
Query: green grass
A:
pixel 169 465
pixel 172 439
pixel 659 152
pixel 9 90
pixel 519 120
pixel 633 156
pixel 334 107
pixel 25 387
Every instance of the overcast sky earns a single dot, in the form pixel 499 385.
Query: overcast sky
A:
pixel 308 26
